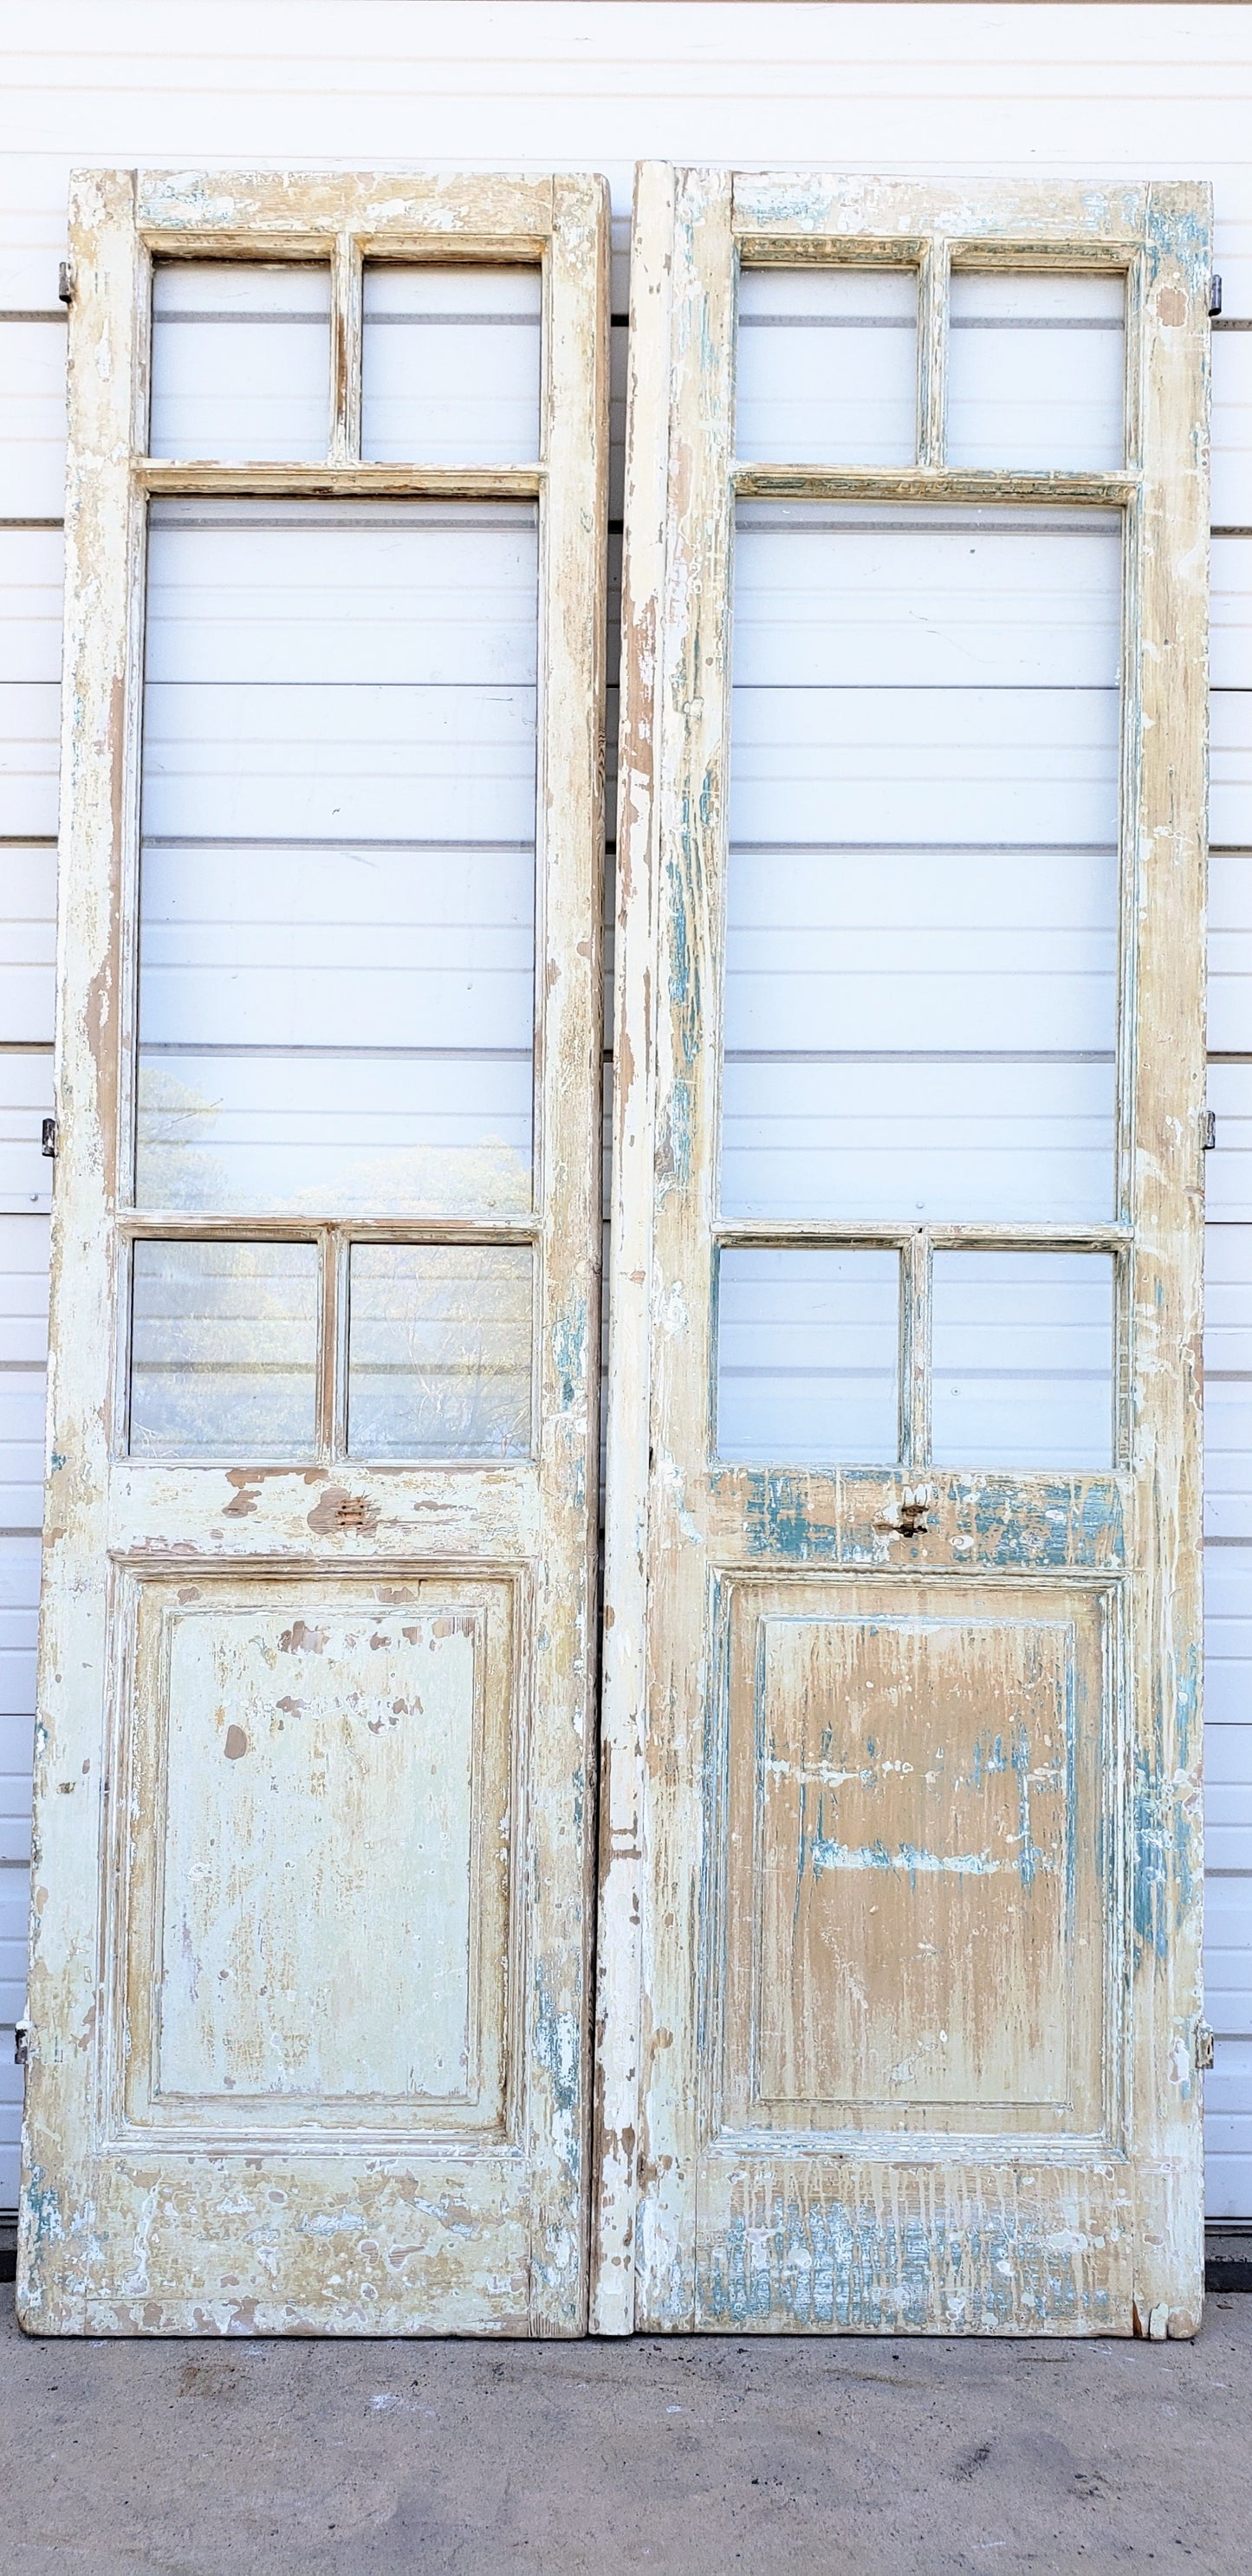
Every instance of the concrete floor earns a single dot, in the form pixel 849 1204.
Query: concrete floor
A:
pixel 695 2457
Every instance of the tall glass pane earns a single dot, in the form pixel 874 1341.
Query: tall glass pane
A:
pixel 922 904
pixel 337 887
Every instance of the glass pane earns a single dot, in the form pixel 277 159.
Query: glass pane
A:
pixel 807 1356
pixel 451 365
pixel 826 366
pixel 1036 367
pixel 337 887
pixel 439 1350
pixel 922 904
pixel 240 362
pixel 1023 1359
pixel 224 1350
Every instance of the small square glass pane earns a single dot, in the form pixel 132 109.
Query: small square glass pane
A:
pixel 1023 1360
pixel 240 362
pixel 827 366
pixel 807 1356
pixel 451 365
pixel 1036 366
pixel 224 1350
pixel 439 1350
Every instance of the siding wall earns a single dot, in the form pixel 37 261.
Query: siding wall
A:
pixel 1079 91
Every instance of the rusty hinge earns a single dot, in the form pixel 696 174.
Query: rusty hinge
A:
pixel 1208 1130
pixel 48 1139
pixel 1202 2048
pixel 65 282
pixel 21 2044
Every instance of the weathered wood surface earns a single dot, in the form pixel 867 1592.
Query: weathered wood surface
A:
pixel 1070 2200
pixel 292 1716
pixel 619 1962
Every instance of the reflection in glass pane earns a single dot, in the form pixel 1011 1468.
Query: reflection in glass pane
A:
pixel 826 366
pixel 240 361
pixel 807 1356
pixel 439 1350
pixel 338 857
pixel 451 365
pixel 224 1350
pixel 1036 367
pixel 1023 1360
pixel 921 988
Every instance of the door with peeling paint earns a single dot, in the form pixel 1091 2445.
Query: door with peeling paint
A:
pixel 901 1882
pixel 308 2004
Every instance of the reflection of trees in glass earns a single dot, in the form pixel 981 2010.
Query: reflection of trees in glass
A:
pixel 224 1349
pixel 439 1350
pixel 299 1155
pixel 173 1126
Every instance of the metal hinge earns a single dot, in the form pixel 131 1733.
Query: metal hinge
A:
pixel 21 2044
pixel 1203 2048
pixel 48 1139
pixel 65 282
pixel 1215 296
pixel 1208 1130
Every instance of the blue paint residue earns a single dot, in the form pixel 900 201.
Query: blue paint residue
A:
pixel 674 1134
pixel 569 1353
pixel 41 2210
pixel 1076 1523
pixel 983 1765
pixel 1152 1801
pixel 1029 1856
pixel 776 1521
pixel 557 2050
pixel 803 2264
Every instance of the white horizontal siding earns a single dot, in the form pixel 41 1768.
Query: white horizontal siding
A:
pixel 19 1594
pixel 32 425
pixel 997 90
pixel 27 943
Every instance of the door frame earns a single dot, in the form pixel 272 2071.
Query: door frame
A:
pixel 691 229
pixel 115 1527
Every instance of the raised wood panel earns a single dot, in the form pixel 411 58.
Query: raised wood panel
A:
pixel 316 1927
pixel 916 1807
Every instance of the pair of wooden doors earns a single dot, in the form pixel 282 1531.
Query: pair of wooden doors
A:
pixel 893 1775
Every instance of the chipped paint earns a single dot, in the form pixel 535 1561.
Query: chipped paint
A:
pixel 569 1355
pixel 790 2256
pixel 913 1785
pixel 281 2075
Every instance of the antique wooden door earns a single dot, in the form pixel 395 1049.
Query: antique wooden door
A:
pixel 900 1968
pixel 308 2010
